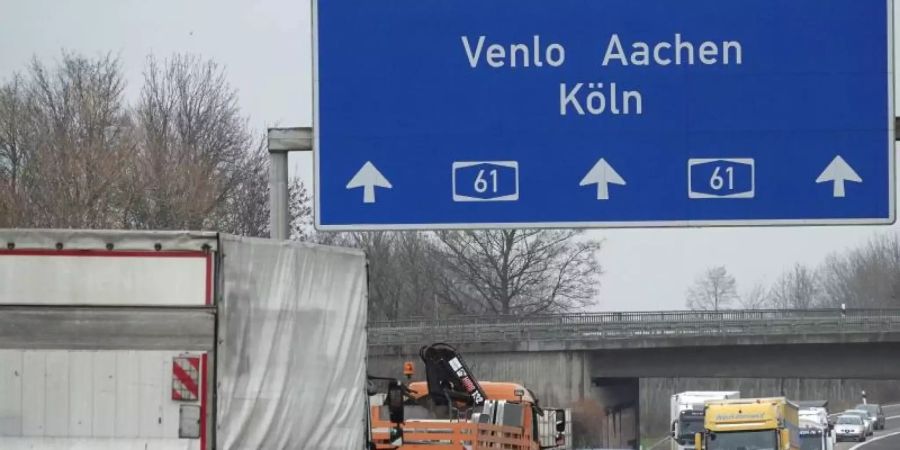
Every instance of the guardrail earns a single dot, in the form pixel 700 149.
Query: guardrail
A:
pixel 630 325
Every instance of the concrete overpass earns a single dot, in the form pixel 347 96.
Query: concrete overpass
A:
pixel 733 343
pixel 617 370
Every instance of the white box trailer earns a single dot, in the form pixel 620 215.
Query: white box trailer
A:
pixel 547 429
pixel 687 414
pixel 179 340
pixel 814 435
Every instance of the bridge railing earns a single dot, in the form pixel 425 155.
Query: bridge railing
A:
pixel 631 325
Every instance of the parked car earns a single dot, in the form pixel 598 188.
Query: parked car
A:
pixel 850 427
pixel 875 412
pixel 864 415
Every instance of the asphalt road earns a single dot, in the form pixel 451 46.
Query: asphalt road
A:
pixel 887 439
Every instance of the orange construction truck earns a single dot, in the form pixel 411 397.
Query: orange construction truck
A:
pixel 454 411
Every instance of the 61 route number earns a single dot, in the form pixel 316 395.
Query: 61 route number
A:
pixel 717 182
pixel 721 178
pixel 485 181
pixel 481 185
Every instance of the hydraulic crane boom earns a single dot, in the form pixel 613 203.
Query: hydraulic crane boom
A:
pixel 449 378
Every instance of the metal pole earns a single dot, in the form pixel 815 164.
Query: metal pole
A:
pixel 278 195
pixel 281 141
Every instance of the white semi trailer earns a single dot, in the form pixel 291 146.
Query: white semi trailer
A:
pixel 814 424
pixel 546 424
pixel 814 435
pixel 179 341
pixel 687 415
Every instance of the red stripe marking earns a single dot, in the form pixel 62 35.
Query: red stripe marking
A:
pixel 203 361
pixel 203 402
pixel 175 394
pixel 209 277
pixel 189 383
pixel 105 253
pixel 194 362
pixel 209 294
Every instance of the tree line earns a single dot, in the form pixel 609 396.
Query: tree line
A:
pixel 76 153
pixel 493 272
pixel 864 277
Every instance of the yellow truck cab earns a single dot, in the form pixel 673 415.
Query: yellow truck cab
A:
pixel 750 424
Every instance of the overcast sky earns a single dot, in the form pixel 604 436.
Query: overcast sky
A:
pixel 265 46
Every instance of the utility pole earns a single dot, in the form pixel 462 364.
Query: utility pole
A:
pixel 280 142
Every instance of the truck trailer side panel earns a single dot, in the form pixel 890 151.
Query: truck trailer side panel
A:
pixel 95 399
pixel 91 320
pixel 291 346
pixel 90 325
pixel 104 277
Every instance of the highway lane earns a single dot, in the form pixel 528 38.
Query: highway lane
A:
pixel 887 439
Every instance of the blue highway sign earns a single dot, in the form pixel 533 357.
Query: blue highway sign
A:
pixel 602 113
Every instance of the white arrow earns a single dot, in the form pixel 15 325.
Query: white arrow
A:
pixel 838 171
pixel 602 174
pixel 368 178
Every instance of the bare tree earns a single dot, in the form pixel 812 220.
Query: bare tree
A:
pixel 797 288
pixel 245 210
pixel 74 154
pixel 868 276
pixel 424 274
pixel 13 150
pixel 518 271
pixel 384 290
pixel 755 298
pixel 67 141
pixel 403 272
pixel 300 211
pixel 713 290
pixel 196 152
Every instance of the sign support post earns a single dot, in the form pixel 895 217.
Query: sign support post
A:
pixel 281 141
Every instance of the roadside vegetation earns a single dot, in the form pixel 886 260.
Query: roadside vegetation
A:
pixel 864 277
